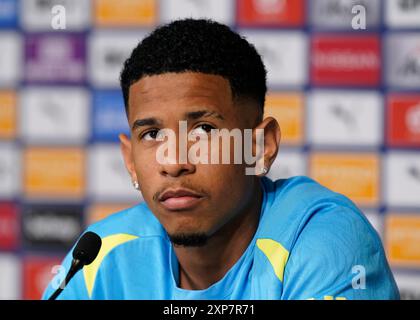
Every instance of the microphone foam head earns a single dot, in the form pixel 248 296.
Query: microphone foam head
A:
pixel 87 248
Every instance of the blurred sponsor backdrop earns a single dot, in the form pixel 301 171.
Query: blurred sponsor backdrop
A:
pixel 348 102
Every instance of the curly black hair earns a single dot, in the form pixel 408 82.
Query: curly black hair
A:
pixel 198 45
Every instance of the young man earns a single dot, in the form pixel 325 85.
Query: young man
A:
pixel 208 230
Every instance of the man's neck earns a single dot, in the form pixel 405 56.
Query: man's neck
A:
pixel 200 267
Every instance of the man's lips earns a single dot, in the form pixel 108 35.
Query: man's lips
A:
pixel 180 199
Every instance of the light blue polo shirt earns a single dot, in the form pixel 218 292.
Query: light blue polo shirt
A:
pixel 311 243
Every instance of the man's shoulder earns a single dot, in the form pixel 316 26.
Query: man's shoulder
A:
pixel 137 221
pixel 135 227
pixel 301 192
pixel 300 203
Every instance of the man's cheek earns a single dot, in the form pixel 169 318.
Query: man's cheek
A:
pixel 146 185
pixel 146 168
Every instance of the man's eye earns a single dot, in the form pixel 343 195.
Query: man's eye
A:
pixel 202 129
pixel 150 135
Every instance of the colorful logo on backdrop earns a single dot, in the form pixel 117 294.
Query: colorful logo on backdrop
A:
pixel 51 226
pixel 340 59
pixel 9 226
pixel 52 58
pixel 7 114
pixel 355 175
pixel 54 173
pixel 125 13
pixel 8 13
pixel 288 110
pixel 403 120
pixel 403 238
pixel 109 117
pixel 279 13
pixel 37 273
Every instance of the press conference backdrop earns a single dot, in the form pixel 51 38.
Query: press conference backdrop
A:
pixel 348 102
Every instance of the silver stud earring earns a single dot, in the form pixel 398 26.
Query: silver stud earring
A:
pixel 136 185
pixel 264 170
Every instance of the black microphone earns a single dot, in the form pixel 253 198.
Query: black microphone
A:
pixel 85 252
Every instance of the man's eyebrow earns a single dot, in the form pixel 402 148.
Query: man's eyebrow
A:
pixel 145 122
pixel 194 115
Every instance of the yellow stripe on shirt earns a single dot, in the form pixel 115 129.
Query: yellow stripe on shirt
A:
pixel 276 254
pixel 108 243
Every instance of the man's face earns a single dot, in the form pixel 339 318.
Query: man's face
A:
pixel 221 191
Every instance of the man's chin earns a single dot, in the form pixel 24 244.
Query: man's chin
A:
pixel 188 239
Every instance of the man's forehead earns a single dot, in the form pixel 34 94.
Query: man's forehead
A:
pixel 180 93
pixel 180 85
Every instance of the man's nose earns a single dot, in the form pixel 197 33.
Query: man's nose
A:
pixel 175 163
pixel 177 169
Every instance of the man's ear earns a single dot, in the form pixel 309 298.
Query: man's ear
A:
pixel 272 137
pixel 125 144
